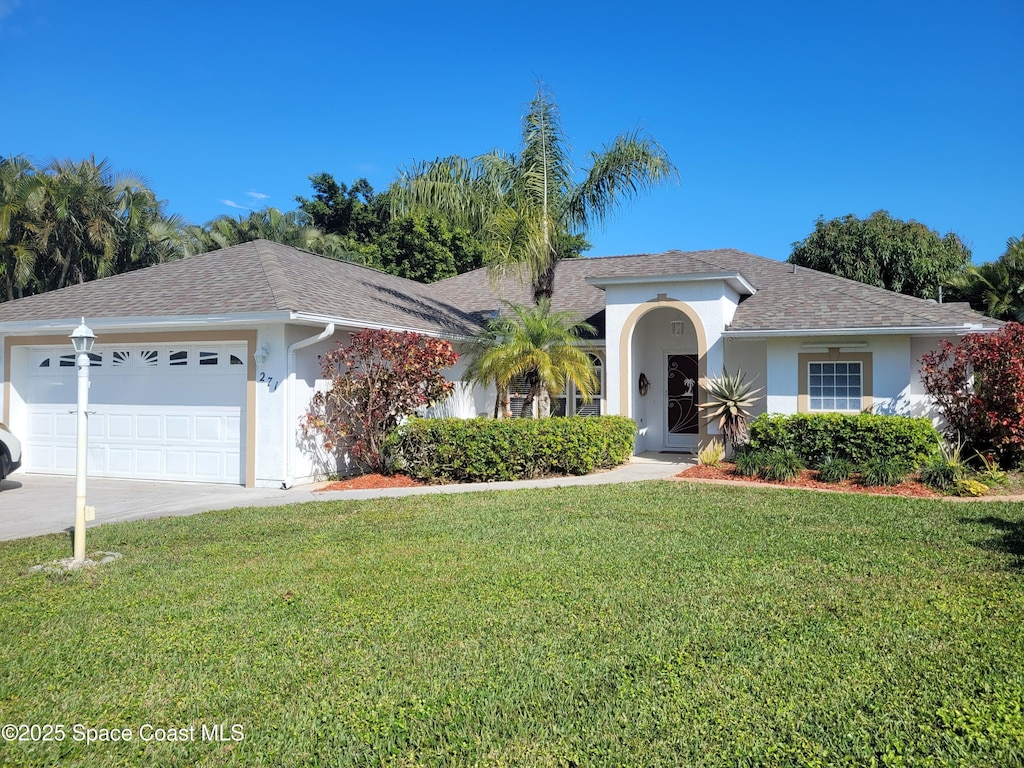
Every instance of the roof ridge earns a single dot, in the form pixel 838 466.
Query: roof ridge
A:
pixel 278 282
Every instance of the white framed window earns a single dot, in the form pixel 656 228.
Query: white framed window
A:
pixel 559 404
pixel 835 385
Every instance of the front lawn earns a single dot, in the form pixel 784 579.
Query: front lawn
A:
pixel 649 624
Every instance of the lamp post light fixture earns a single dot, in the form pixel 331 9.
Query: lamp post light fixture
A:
pixel 82 338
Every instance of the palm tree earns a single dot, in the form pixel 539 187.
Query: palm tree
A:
pixel 20 196
pixel 288 228
pixel 997 287
pixel 542 346
pixel 531 208
pixel 485 365
pixel 79 224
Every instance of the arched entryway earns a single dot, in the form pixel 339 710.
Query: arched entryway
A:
pixel 663 360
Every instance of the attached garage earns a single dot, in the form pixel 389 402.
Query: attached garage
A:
pixel 172 411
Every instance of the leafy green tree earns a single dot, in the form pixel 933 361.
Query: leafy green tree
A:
pixel 531 208
pixel 902 256
pixel 354 212
pixel 420 245
pixel 543 346
pixel 997 287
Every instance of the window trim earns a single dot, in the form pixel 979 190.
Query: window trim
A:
pixel 833 355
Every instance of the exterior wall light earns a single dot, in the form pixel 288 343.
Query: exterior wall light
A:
pixel 261 355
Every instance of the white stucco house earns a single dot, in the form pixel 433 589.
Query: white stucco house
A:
pixel 203 367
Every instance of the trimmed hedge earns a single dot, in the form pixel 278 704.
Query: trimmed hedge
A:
pixel 481 450
pixel 855 438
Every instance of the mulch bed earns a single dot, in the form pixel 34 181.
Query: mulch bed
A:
pixel 808 479
pixel 372 482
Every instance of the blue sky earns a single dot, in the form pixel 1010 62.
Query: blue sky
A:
pixel 774 113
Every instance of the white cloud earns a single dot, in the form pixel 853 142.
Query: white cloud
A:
pixel 233 204
pixel 257 195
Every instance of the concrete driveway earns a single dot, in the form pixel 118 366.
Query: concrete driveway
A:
pixel 34 505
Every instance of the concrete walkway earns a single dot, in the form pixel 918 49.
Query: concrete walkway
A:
pixel 34 505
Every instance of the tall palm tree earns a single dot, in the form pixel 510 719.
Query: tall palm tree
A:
pixel 543 346
pixel 20 197
pixel 529 208
pixel 79 224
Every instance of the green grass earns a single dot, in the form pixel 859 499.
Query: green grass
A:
pixel 650 624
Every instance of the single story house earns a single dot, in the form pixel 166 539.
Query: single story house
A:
pixel 203 368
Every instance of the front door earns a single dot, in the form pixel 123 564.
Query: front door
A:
pixel 683 422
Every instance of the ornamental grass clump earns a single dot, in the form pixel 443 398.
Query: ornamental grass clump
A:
pixel 781 465
pixel 834 470
pixel 711 455
pixel 748 461
pixel 942 470
pixel 730 398
pixel 883 471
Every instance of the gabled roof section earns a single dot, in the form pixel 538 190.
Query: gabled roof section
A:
pixel 251 278
pixel 785 299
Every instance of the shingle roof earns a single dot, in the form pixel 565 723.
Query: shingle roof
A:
pixel 786 299
pixel 253 277
pixel 262 276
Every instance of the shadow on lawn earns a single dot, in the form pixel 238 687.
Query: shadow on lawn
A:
pixel 1009 537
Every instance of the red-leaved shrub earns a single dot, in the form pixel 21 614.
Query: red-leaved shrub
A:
pixel 377 380
pixel 978 387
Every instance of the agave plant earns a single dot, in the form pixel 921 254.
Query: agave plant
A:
pixel 729 399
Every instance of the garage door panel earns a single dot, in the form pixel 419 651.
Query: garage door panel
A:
pixel 119 460
pixel 177 427
pixel 40 425
pixel 148 427
pixel 146 421
pixel 148 462
pixel 65 424
pixel 178 463
pixel 119 426
pixel 209 428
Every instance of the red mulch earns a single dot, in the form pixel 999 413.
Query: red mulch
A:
pixel 807 479
pixel 372 482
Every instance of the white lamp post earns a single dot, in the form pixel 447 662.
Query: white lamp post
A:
pixel 83 339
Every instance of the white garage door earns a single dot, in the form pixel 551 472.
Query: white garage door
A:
pixel 157 412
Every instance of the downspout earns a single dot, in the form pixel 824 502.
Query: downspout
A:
pixel 289 435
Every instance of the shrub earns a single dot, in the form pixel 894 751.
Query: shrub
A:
pixel 781 464
pixel 853 437
pixel 943 469
pixel 990 473
pixel 834 470
pixel 940 473
pixel 730 398
pixel 748 461
pixel 481 450
pixel 377 380
pixel 880 470
pixel 978 387
pixel 711 455
pixel 968 487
